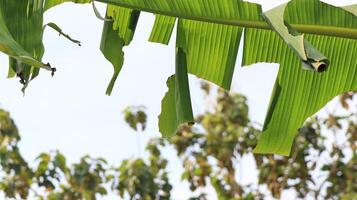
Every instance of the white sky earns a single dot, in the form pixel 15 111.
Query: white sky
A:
pixel 70 112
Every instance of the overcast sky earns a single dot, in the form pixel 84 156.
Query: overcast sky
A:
pixel 71 112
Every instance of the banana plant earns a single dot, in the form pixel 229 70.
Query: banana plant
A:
pixel 313 42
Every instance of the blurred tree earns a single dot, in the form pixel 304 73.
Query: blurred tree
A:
pixel 323 164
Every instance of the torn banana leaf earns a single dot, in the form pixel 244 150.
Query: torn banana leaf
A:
pixel 211 49
pixel 117 33
pixel 52 3
pixel 311 58
pixel 176 109
pixel 162 29
pixel 298 94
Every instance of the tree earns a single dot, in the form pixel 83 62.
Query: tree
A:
pixel 208 37
pixel 209 153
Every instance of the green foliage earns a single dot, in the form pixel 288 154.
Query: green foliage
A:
pixel 306 33
pixel 208 37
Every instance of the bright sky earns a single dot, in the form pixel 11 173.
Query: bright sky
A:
pixel 71 112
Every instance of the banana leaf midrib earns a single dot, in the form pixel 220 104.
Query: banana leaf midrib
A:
pixel 344 32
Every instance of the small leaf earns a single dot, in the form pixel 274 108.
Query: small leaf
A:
pixel 59 30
